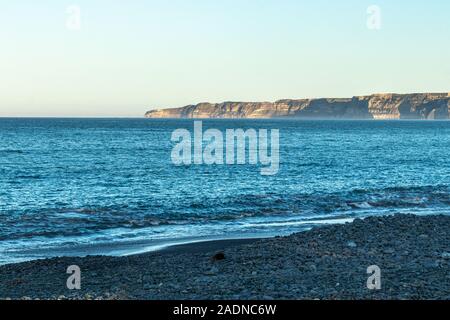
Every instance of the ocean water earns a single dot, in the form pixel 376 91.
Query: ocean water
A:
pixel 108 186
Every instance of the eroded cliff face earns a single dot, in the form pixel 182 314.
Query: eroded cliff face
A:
pixel 378 106
pixel 409 106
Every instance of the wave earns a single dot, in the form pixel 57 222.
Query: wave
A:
pixel 54 222
pixel 11 151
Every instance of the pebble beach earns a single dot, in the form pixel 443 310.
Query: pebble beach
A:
pixel 330 262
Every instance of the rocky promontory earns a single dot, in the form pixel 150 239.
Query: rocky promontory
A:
pixel 420 106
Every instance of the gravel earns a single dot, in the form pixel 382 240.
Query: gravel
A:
pixel 329 262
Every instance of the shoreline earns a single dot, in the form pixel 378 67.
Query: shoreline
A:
pixel 141 247
pixel 327 262
pixel 204 246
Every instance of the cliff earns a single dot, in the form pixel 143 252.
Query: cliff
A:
pixel 409 106
pixel 377 106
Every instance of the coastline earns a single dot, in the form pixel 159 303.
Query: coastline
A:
pixel 328 262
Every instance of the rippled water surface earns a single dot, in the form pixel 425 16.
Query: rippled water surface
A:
pixel 108 186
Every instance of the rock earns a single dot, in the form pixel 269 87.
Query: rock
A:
pixel 377 106
pixel 312 267
pixel 351 244
pixel 218 256
pixel 148 286
pixel 432 264
pixel 211 272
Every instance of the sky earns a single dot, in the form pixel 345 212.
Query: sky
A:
pixel 121 58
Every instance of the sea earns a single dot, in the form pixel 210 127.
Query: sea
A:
pixel 77 187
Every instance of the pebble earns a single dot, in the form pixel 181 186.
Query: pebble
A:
pixel 313 264
pixel 211 272
pixel 351 244
pixel 218 256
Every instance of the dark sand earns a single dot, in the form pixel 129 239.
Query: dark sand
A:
pixel 329 262
pixel 206 246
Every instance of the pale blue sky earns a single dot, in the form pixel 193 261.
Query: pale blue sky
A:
pixel 132 56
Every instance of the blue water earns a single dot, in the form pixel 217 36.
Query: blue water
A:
pixel 108 186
